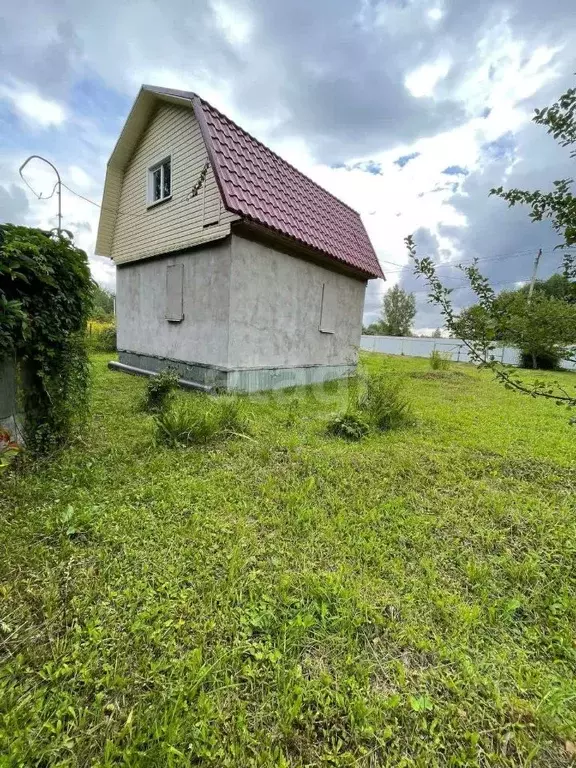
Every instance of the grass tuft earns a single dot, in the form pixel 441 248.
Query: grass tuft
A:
pixel 439 361
pixel 199 419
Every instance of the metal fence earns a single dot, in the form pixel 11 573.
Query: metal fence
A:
pixel 418 347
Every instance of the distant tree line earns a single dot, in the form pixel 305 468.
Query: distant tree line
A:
pixel 542 326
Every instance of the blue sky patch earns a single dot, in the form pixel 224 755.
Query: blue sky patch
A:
pixel 405 159
pixel 455 170
pixel 503 146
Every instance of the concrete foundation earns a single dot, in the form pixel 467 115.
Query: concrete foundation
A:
pixel 212 378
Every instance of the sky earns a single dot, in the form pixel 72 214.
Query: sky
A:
pixel 408 110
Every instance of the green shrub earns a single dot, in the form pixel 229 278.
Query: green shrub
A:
pixel 45 299
pixel 545 361
pixel 348 425
pixel 101 337
pixel 159 390
pixel 199 419
pixel 439 361
pixel 383 402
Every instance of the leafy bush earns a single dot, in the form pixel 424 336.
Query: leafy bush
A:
pixel 383 402
pixel 545 361
pixel 439 361
pixel 159 390
pixel 199 419
pixel 349 426
pixel 101 337
pixel 45 298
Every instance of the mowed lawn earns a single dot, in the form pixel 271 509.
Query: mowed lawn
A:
pixel 293 599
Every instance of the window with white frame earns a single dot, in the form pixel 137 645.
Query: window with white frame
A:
pixel 160 181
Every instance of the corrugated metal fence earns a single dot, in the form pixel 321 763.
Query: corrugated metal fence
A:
pixel 418 347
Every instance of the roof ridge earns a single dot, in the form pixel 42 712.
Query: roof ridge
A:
pixel 279 157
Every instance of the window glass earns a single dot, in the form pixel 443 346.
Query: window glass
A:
pixel 156 184
pixel 166 182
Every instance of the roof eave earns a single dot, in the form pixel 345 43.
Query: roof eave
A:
pixel 247 226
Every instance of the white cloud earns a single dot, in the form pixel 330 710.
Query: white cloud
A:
pixel 423 80
pixel 237 27
pixel 435 14
pixel 37 111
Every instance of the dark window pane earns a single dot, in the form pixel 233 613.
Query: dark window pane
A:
pixel 167 179
pixel 156 184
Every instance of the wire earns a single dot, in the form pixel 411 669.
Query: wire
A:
pixel 87 199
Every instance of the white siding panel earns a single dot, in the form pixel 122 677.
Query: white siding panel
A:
pixel 177 223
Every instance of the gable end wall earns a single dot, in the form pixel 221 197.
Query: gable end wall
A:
pixel 140 231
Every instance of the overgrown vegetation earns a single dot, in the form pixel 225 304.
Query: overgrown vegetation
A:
pixel 542 325
pixel 101 336
pixel 375 401
pixel 160 390
pixel 348 425
pixel 45 298
pixel 383 400
pixel 199 419
pixel 102 309
pixel 439 361
pixel 295 600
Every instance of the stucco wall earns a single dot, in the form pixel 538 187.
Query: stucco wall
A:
pixel 202 336
pixel 140 230
pixel 275 310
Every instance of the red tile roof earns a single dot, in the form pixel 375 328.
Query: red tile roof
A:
pixel 260 186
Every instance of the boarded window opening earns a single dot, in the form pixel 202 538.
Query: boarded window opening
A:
pixel 328 309
pixel 175 293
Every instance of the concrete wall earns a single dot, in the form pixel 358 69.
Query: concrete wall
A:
pixel 275 310
pixel 202 335
pixel 141 230
pixel 251 317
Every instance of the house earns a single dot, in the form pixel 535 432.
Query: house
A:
pixel 233 267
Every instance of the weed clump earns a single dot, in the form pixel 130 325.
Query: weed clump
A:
pixel 159 391
pixel 383 402
pixel 348 425
pixel 439 361
pixel 377 402
pixel 200 419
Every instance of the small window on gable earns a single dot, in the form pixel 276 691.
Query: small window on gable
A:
pixel 175 293
pixel 160 181
pixel 328 309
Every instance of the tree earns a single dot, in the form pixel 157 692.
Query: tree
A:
pixel 437 334
pixel 398 311
pixel 543 328
pixel 560 207
pixel 102 303
pixel 375 329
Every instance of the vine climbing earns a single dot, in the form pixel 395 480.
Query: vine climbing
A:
pixel 45 298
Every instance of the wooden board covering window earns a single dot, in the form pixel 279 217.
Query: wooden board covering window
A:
pixel 175 293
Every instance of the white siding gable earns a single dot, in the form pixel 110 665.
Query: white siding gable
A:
pixel 186 219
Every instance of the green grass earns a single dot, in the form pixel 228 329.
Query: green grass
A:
pixel 294 599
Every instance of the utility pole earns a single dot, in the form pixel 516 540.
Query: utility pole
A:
pixel 536 262
pixel 530 292
pixel 58 185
